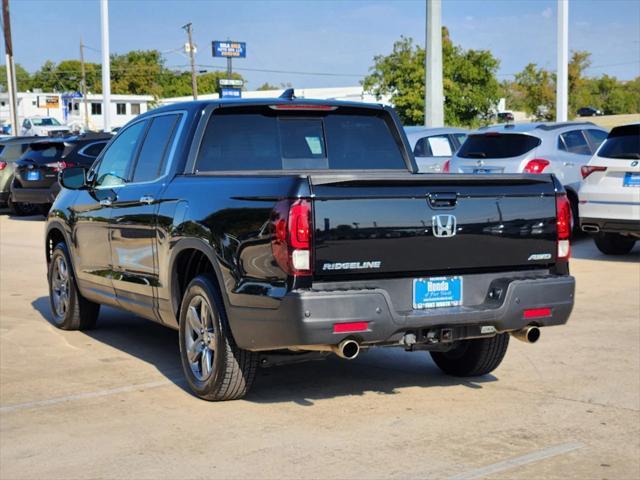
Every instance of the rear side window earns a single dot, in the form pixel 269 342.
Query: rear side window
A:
pixel 574 142
pixel 497 145
pixel 154 149
pixel 435 146
pixel 596 137
pixel 623 143
pixel 261 139
pixel 94 149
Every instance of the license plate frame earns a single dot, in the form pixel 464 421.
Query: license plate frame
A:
pixel 425 298
pixel 631 179
pixel 33 176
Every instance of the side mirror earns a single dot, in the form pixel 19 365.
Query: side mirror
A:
pixel 73 178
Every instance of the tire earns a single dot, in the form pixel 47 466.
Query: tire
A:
pixel 614 243
pixel 215 367
pixel 472 358
pixel 575 217
pixel 69 309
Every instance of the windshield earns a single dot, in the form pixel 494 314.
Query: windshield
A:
pixel 45 122
pixel 623 143
pixel 496 145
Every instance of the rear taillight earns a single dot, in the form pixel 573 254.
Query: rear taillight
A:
pixel 446 166
pixel 537 165
pixel 58 166
pixel 587 170
pixel 3 165
pixel 292 236
pixel 563 226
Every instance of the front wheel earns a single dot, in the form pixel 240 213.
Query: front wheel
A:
pixel 70 310
pixel 614 243
pixel 472 358
pixel 215 367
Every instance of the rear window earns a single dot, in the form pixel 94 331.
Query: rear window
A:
pixel 497 145
pixel 264 139
pixel 435 146
pixel 623 143
pixel 45 152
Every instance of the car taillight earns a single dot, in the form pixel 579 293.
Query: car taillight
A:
pixel 59 166
pixel 537 165
pixel 563 226
pixel 587 170
pixel 292 236
pixel 3 165
pixel 446 166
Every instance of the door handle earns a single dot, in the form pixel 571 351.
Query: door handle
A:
pixel 147 199
pixel 106 202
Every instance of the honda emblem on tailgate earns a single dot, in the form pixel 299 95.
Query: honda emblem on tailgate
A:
pixel 443 225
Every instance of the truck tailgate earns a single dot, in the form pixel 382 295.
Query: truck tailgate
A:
pixel 413 224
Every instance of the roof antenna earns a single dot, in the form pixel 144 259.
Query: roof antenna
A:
pixel 288 94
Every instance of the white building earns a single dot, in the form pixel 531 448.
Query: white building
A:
pixel 68 108
pixel 352 94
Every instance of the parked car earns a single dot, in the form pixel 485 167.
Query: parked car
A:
pixel 43 127
pixel 11 149
pixel 298 226
pixel 35 179
pixel 433 147
pixel 505 116
pixel 610 192
pixel 589 112
pixel 558 148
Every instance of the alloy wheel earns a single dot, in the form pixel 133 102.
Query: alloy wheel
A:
pixel 200 337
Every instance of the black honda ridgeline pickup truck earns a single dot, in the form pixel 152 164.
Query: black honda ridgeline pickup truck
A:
pixel 284 229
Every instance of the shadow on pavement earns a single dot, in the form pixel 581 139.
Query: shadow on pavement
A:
pixel 382 371
pixel 585 249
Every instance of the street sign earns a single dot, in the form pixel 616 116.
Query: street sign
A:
pixel 230 82
pixel 230 92
pixel 229 49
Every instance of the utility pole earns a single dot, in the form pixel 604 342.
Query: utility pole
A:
pixel 192 52
pixel 562 73
pixel 84 87
pixel 106 66
pixel 11 68
pixel 433 92
pixel 228 65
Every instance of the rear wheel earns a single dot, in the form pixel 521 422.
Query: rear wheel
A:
pixel 471 358
pixel 215 367
pixel 614 243
pixel 69 309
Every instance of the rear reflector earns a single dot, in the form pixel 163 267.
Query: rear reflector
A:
pixel 350 327
pixel 537 312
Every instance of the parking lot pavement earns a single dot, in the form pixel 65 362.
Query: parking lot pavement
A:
pixel 111 403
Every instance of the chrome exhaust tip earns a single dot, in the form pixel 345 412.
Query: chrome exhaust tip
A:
pixel 347 349
pixel 590 228
pixel 527 335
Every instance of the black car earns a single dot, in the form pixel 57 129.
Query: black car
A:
pixel 589 112
pixel 277 229
pixel 35 179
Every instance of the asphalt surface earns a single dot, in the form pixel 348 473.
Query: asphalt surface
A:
pixel 111 403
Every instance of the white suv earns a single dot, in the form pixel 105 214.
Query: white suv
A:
pixel 43 127
pixel 610 192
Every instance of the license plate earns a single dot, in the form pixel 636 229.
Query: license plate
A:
pixel 631 179
pixel 437 292
pixel 34 175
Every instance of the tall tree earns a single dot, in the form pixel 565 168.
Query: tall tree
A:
pixel 538 88
pixel 471 89
pixel 23 78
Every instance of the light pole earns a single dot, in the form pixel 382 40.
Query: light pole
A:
pixel 106 66
pixel 562 73
pixel 433 92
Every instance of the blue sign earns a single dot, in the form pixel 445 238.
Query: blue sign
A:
pixel 229 49
pixel 226 92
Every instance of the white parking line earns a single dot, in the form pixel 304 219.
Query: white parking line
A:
pixel 518 461
pixel 84 396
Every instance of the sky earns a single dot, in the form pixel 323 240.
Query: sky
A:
pixel 327 42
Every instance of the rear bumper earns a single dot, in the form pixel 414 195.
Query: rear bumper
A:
pixel 35 195
pixel 307 317
pixel 609 225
